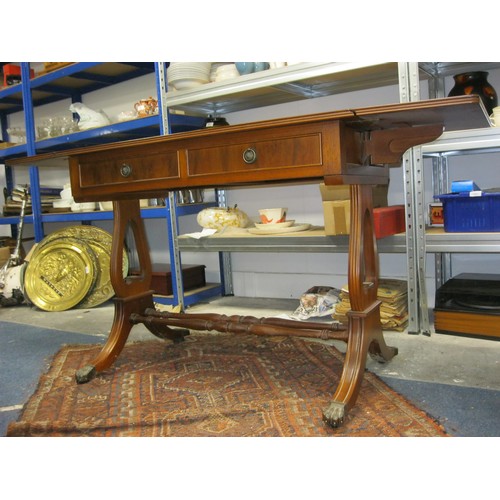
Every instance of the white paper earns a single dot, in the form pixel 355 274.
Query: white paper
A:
pixel 202 234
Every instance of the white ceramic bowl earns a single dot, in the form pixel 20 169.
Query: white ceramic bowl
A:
pixel 224 68
pixel 226 72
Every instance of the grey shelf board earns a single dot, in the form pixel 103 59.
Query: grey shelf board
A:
pixel 437 241
pixel 281 85
pixel 464 141
pixel 443 69
pixel 314 242
pixel 96 215
pixel 72 80
pixel 303 81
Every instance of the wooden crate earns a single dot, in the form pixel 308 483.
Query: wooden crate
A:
pixel 193 276
pixel 467 323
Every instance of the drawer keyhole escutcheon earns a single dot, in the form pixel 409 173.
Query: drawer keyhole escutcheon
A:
pixel 125 170
pixel 249 155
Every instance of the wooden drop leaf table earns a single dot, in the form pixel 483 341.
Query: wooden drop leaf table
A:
pixel 353 146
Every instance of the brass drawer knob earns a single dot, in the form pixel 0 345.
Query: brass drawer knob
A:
pixel 249 155
pixel 125 170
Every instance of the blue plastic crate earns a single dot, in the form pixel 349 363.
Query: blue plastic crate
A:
pixel 471 214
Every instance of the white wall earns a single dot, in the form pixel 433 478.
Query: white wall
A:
pixel 287 274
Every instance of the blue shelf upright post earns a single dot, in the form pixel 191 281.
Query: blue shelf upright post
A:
pixel 29 121
pixel 172 219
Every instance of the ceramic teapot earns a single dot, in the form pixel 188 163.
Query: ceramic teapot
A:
pixel 146 107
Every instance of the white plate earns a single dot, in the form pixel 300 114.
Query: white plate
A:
pixel 272 227
pixel 187 83
pixel 291 229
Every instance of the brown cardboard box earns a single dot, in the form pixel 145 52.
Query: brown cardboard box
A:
pixel 337 206
pixel 343 192
pixel 337 216
pixel 4 255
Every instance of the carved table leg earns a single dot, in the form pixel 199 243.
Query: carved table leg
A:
pixel 118 335
pixel 365 331
pixel 133 294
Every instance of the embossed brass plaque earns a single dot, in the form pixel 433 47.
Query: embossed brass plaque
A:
pixel 103 289
pixel 61 274
pixel 100 241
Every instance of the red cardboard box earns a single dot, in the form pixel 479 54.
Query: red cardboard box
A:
pixel 13 70
pixel 389 220
pixel 337 206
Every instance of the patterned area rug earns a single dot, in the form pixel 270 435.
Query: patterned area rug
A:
pixel 212 385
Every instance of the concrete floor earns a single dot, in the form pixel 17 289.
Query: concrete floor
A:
pixel 447 359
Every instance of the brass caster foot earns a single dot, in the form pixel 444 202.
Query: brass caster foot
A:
pixel 334 414
pixel 85 374
pixel 178 335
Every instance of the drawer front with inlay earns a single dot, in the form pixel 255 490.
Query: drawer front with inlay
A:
pixel 128 170
pixel 250 155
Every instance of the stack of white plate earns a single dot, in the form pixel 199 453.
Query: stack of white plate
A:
pixel 188 75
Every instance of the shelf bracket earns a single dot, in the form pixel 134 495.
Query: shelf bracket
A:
pixel 388 146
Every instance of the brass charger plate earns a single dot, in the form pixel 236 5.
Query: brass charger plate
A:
pixel 100 241
pixel 60 275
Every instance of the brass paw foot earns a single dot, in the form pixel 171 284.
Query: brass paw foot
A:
pixel 85 374
pixel 178 335
pixel 334 414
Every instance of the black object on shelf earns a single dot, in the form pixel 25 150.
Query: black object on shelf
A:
pixel 472 292
pixel 469 304
pixel 217 121
pixel 476 82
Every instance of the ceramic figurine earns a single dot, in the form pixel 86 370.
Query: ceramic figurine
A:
pixel 88 118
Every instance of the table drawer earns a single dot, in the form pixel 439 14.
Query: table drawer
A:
pixel 135 168
pixel 303 150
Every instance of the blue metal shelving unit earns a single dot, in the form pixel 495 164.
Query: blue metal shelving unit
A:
pixel 173 212
pixel 72 82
